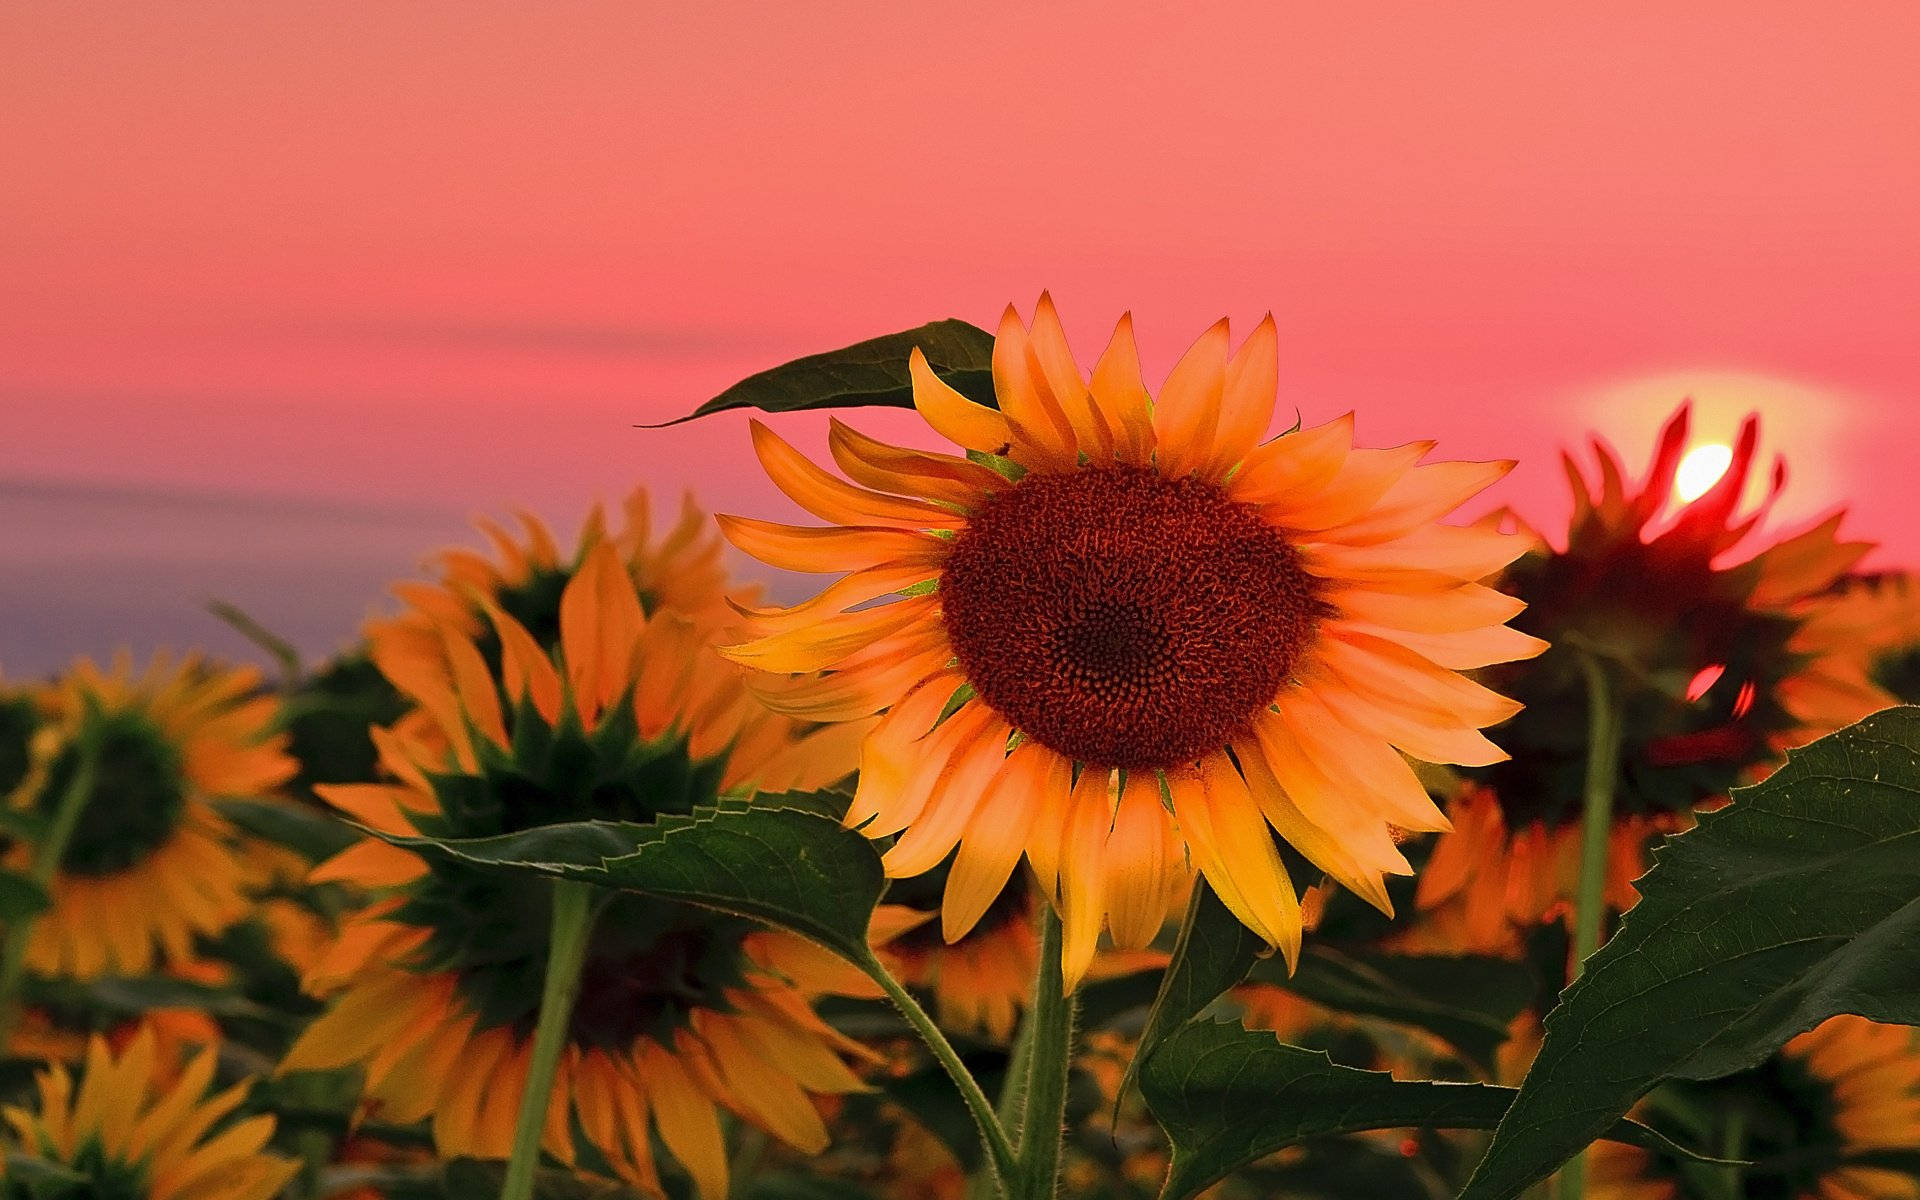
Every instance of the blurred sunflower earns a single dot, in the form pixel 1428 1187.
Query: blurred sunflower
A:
pixel 682 1012
pixel 1711 664
pixel 1863 640
pixel 1811 1118
pixel 137 1136
pixel 979 981
pixel 1143 634
pixel 151 863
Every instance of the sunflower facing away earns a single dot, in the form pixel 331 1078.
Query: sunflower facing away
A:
pixel 624 715
pixel 1143 636
pixel 1712 663
pixel 151 863
pixel 135 1135
pixel 1812 1118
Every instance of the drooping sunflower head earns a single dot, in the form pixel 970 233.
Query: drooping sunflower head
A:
pixel 150 862
pixel 1810 1119
pixel 1707 651
pixel 1125 633
pixel 137 1135
pixel 682 1011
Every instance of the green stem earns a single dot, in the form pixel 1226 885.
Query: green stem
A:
pixel 46 864
pixel 992 1134
pixel 566 952
pixel 1604 721
pixel 1042 1124
pixel 1603 769
pixel 1733 1145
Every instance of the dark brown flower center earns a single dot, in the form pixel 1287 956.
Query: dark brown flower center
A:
pixel 1123 618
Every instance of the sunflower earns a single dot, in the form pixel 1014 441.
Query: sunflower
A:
pixel 135 1136
pixel 151 862
pixel 980 981
pixel 1863 640
pixel 1812 1118
pixel 1122 634
pixel 682 1012
pixel 1707 650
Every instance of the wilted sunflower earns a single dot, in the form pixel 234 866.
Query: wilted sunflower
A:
pixel 1708 661
pixel 1812 1119
pixel 1144 634
pixel 151 862
pixel 682 1012
pixel 137 1136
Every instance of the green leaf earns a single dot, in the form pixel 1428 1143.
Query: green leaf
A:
pixel 872 372
pixel 1468 1001
pixel 1799 901
pixel 276 647
pixel 782 859
pixel 135 995
pixel 1213 953
pixel 1227 1096
pixel 21 897
pixel 314 835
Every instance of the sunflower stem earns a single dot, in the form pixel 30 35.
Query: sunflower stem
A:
pixel 566 953
pixel 1042 1121
pixel 45 865
pixel 993 1134
pixel 1604 720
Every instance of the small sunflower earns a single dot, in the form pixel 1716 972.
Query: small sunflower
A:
pixel 1811 1119
pixel 151 863
pixel 136 1135
pixel 1143 635
pixel 1711 659
pixel 682 1012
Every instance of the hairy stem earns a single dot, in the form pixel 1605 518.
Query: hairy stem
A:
pixel 1042 1122
pixel 993 1135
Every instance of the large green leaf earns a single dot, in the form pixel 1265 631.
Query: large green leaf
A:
pixel 1799 901
pixel 1227 1096
pixel 308 832
pixel 1468 1001
pixel 1213 953
pixel 785 860
pixel 872 372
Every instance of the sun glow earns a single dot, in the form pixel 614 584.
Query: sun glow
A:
pixel 1701 469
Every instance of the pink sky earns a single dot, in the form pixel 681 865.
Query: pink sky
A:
pixel 440 257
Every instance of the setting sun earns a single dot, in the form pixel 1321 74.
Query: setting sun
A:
pixel 1701 469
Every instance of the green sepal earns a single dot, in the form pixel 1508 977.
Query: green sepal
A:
pixel 873 372
pixel 1798 902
